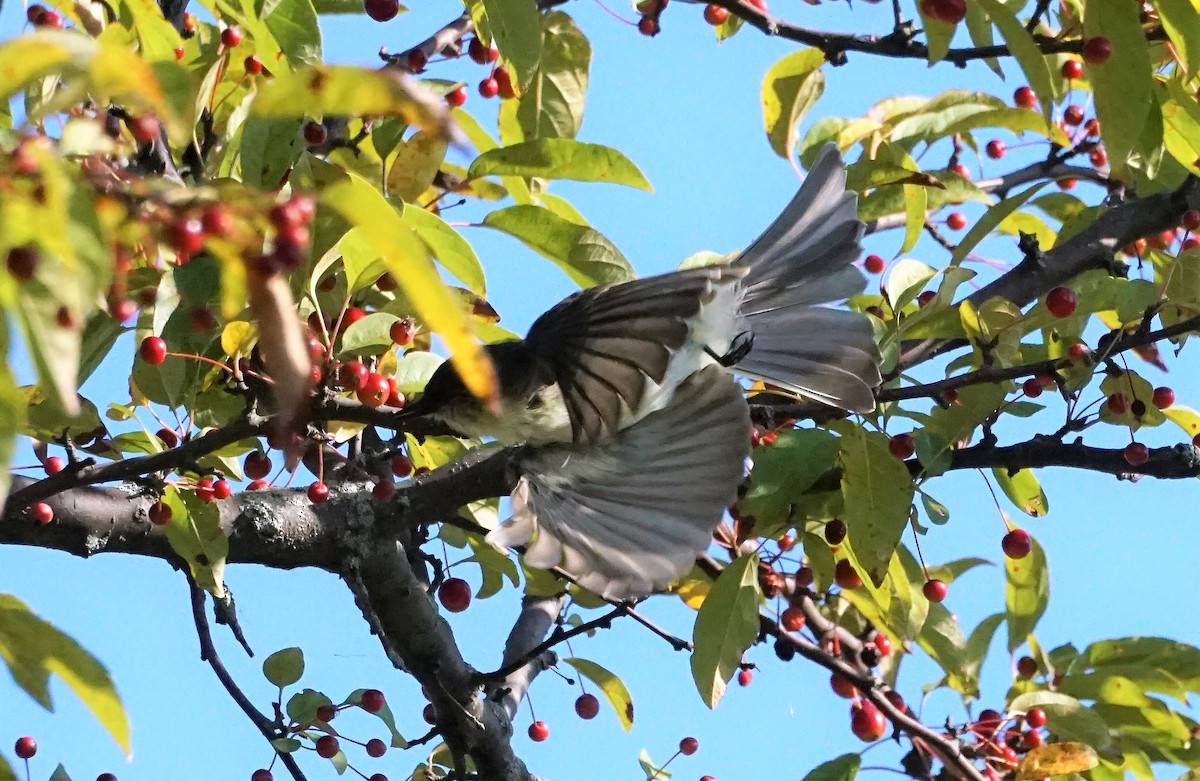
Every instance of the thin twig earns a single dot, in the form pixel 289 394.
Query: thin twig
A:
pixel 208 653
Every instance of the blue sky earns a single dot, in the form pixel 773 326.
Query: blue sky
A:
pixel 687 112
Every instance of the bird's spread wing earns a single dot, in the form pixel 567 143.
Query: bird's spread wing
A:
pixel 604 342
pixel 630 516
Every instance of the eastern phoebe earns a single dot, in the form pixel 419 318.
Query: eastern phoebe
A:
pixel 606 357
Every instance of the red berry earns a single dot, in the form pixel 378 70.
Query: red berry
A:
pixel 376 748
pixel 842 686
pixel 761 5
pixel 1032 739
pixel 1035 717
pixel 883 643
pixel 715 14
pixel 896 700
pixel 1072 69
pixel 326 713
pixel 111 777
pixel 401 466
pixel 995 149
pixel 180 52
pixel 1017 544
pixel 257 485
pixel 482 54
pixel 372 701
pixel 383 490
pixel 327 746
pixel 231 36
pixel 222 489
pixel 1066 184
pixel 153 350
pixel 1079 353
pixel 689 746
pixel 374 391
pixel 1191 220
pixel 489 88
pixel 25 748
pixel 1032 387
pixel 926 298
pixel 1098 157
pixel 215 220
pixel 257 465
pixel 792 619
pixel 186 235
pixel 504 83
pixel 902 446
pixel 122 309
pixel 54 465
pixel 51 19
pixel 866 721
pixel 989 721
pixel 253 65
pixel 382 10
pixel 1061 301
pixel 1027 667
pixel 402 331
pixel 429 714
pixel 873 264
pixel 835 531
pixel 745 677
pixel 417 60
pixel 648 26
pixel 159 513
pixel 1116 404
pixel 262 774
pixel 455 98
pixel 351 376
pixel 846 576
pixel 318 493
pixel 587 706
pixel 1136 453
pixel 33 14
pixel 935 590
pixel 786 542
pixel 1163 397
pixel 1073 115
pixel 948 11
pixel 315 133
pixel 956 221
pixel 1025 97
pixel 962 171
pixel 539 731
pixel 1096 51
pixel 167 437
pixel 205 490
pixel 455 595
pixel 378 777
pixel 22 263
pixel 42 513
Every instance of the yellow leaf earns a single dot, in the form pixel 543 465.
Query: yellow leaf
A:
pixel 320 90
pixel 1056 759
pixel 408 261
pixel 693 591
pixel 416 164
pixel 238 337
pixel 34 650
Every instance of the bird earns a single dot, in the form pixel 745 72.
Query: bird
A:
pixel 628 516
pixel 607 356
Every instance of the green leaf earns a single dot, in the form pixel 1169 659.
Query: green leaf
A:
pixel 99 335
pixel 302 706
pixel 413 370
pixel 448 247
pixel 34 650
pixel 790 88
pixel 416 165
pixel 1181 124
pixel 976 651
pixel 284 667
pixel 878 493
pixel 1035 64
pixel 905 281
pixel 613 688
pixel 405 256
pixel 1067 718
pixel 652 771
pixel 552 105
pixel 1018 120
pixel 60 774
pixel 1024 490
pixel 195 533
pixel 1181 20
pixel 1026 593
pixel 1135 388
pixel 583 253
pixel 843 768
pixel 286 745
pixel 560 158
pixel 515 28
pixel 941 637
pixel 269 148
pixel 294 25
pixel 1123 85
pixel 726 626
pixel 990 219
pixel 784 472
pixel 369 336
